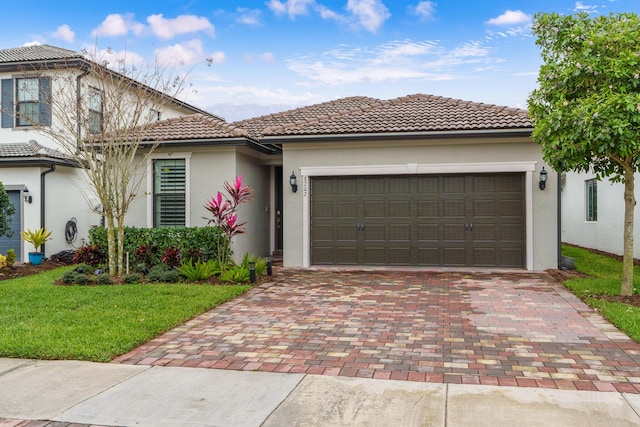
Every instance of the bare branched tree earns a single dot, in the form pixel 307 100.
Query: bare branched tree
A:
pixel 98 113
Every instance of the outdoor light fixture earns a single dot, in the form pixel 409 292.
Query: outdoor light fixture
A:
pixel 27 197
pixel 294 182
pixel 543 179
pixel 252 271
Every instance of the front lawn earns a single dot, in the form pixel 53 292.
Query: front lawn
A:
pixel 602 288
pixel 41 320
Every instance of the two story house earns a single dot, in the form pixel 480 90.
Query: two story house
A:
pixel 45 184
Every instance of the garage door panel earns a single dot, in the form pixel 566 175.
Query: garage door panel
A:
pixel 453 208
pixel 428 208
pixel 446 220
pixel 400 209
pixel 346 209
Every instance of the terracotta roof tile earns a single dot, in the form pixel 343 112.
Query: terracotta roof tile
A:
pixel 30 149
pixel 413 113
pixel 194 126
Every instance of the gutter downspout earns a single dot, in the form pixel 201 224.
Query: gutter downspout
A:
pixel 78 105
pixel 560 263
pixel 52 168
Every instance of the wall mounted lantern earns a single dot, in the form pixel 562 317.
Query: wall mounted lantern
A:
pixel 294 182
pixel 543 179
pixel 27 197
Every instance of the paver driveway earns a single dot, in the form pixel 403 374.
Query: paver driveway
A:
pixel 517 329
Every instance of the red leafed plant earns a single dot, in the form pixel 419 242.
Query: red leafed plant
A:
pixel 224 210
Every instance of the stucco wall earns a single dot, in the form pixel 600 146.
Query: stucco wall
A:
pixel 432 152
pixel 65 189
pixel 606 233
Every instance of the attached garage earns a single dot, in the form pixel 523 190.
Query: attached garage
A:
pixel 453 220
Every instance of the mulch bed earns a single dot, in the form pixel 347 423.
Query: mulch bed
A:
pixel 562 275
pixel 22 270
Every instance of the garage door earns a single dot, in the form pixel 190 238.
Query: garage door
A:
pixel 13 242
pixel 424 220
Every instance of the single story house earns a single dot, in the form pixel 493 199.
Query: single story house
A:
pixel 415 181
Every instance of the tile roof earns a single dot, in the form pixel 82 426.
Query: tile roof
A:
pixel 36 53
pixel 193 126
pixel 413 113
pixel 31 149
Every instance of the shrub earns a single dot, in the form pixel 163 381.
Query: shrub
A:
pixel 146 255
pixel 171 257
pixel 199 270
pixel 190 240
pixel 104 279
pixel 3 261
pixel 10 258
pixel 132 278
pixel 90 254
pixel 162 273
pixel 236 274
pixel 74 278
pixel 260 263
pixel 84 269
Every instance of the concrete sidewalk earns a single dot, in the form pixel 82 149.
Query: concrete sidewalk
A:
pixel 83 393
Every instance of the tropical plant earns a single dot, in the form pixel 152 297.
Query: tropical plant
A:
pixel 90 254
pixel 36 237
pixel 198 270
pixel 259 264
pixel 10 258
pixel 235 274
pixel 225 216
pixel 171 257
pixel 586 110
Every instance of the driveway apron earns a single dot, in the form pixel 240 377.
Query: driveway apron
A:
pixel 514 329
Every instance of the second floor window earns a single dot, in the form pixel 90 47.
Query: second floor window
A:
pixel 95 110
pixel 25 101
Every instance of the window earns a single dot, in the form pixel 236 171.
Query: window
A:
pixel 154 116
pixel 25 101
pixel 95 110
pixel 169 192
pixel 591 187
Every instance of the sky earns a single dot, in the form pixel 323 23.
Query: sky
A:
pixel 246 58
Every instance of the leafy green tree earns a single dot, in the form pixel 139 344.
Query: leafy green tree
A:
pixel 6 212
pixel 586 110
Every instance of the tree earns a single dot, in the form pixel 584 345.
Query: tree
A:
pixel 586 110
pixel 6 211
pixel 99 113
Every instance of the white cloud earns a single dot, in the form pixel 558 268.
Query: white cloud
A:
pixel 189 52
pixel 64 32
pixel 581 7
pixel 118 25
pixel 266 57
pixel 169 28
pixel 369 14
pixel 248 16
pixel 33 43
pixel 114 59
pixel 218 57
pixel 395 61
pixel 510 17
pixel 425 9
pixel 292 8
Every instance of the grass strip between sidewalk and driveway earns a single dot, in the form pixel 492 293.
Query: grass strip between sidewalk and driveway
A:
pixel 604 280
pixel 41 320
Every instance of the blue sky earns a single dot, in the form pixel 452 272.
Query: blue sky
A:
pixel 271 55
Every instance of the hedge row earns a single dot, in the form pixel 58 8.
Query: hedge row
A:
pixel 188 240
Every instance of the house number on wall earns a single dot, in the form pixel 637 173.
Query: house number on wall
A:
pixel 304 186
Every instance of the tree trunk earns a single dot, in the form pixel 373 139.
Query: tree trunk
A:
pixel 629 208
pixel 120 247
pixel 111 241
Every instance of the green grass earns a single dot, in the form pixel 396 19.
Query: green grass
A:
pixel 41 320
pixel 605 279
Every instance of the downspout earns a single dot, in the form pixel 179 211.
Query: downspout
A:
pixel 52 168
pixel 78 105
pixel 559 191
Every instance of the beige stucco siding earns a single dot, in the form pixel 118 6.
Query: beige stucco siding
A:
pixel 447 155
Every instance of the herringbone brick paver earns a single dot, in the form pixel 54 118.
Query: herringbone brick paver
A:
pixel 516 329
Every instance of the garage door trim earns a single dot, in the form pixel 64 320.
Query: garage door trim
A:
pixel 414 168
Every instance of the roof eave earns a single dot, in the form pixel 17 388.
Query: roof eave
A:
pixel 477 133
pixel 36 161
pixel 221 142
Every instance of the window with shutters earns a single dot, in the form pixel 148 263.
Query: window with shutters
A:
pixel 25 101
pixel 169 192
pixel 591 188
